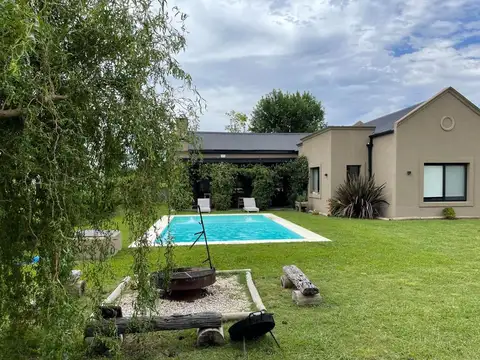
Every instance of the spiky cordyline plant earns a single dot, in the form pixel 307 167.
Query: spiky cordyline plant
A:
pixel 358 197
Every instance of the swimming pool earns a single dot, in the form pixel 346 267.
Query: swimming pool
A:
pixel 229 229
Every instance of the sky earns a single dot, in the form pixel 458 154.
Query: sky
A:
pixel 360 58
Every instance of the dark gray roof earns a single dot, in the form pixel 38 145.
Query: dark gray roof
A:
pixel 385 123
pixel 249 141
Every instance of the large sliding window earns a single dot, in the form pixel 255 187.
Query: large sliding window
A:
pixel 444 182
pixel 315 179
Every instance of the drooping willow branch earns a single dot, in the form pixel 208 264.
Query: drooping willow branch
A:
pixel 16 112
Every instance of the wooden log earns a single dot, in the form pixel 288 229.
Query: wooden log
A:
pixel 286 283
pixel 81 287
pixel 301 282
pixel 235 316
pixel 156 323
pixel 257 300
pixel 301 300
pixel 210 336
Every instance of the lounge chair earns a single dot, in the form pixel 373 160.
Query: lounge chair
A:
pixel 204 205
pixel 249 205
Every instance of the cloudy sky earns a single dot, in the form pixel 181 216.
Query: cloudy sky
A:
pixel 361 58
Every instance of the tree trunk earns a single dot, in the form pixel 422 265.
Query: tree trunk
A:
pixel 210 336
pixel 155 323
pixel 301 282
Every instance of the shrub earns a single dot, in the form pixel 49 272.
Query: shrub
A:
pixel 222 181
pixel 449 213
pixel 358 197
pixel 296 174
pixel 263 186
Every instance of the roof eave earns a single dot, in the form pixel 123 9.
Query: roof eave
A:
pixel 329 128
pixel 388 132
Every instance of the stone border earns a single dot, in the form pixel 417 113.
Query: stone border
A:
pixel 308 236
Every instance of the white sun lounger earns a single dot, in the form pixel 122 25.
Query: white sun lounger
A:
pixel 204 205
pixel 249 205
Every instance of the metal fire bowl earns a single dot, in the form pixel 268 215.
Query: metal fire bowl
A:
pixel 186 279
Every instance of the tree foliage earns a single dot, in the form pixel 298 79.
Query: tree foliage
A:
pixel 296 174
pixel 287 112
pixel 222 181
pixel 238 122
pixel 86 97
pixel 263 185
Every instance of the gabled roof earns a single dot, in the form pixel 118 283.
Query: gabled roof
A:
pixel 386 123
pixel 225 141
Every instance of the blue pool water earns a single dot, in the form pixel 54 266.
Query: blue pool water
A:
pixel 227 228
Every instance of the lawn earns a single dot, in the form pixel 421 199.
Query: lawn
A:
pixel 391 290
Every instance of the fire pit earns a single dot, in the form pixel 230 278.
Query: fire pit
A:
pixel 186 279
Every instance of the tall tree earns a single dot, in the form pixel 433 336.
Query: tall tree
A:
pixel 287 112
pixel 86 92
pixel 238 122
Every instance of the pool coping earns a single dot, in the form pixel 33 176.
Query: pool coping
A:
pixel 308 236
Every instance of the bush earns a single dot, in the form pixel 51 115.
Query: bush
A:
pixel 222 181
pixel 263 186
pixel 358 197
pixel 449 213
pixel 296 173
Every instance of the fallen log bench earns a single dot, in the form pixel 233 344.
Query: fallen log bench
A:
pixel 306 292
pixel 132 325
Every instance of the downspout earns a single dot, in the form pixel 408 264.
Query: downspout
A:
pixel 370 155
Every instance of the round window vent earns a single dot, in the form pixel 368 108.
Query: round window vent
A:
pixel 447 123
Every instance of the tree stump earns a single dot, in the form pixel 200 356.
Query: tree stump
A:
pixel 301 282
pixel 210 336
pixel 286 283
pixel 300 299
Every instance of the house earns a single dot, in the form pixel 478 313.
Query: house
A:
pixel 267 149
pixel 428 156
pixel 244 148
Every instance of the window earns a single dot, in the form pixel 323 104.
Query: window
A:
pixel 315 179
pixel 353 170
pixel 444 182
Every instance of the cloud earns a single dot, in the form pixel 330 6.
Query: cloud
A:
pixel 360 58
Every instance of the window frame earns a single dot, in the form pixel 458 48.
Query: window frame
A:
pixel 445 198
pixel 312 190
pixel 359 167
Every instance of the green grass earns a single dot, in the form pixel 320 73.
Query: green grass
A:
pixel 391 290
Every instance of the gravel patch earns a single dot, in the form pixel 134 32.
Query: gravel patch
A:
pixel 227 295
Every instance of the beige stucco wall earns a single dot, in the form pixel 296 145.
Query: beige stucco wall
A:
pixel 332 150
pixel 349 147
pixel 317 149
pixel 420 139
pixel 384 169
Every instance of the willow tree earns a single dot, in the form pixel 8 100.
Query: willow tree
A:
pixel 90 93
